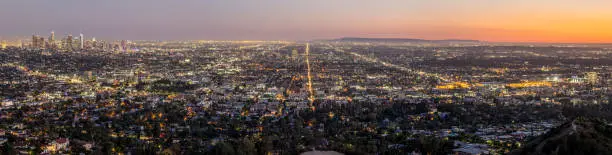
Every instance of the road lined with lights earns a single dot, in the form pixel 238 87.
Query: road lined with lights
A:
pixel 311 97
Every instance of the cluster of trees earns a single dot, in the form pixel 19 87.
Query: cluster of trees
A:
pixel 166 85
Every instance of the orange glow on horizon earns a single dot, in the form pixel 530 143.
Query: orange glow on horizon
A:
pixel 525 27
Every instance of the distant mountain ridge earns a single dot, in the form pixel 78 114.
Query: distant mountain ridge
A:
pixel 402 40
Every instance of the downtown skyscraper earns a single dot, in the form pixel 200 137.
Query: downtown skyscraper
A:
pixel 82 39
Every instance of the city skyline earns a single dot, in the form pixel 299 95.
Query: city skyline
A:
pixel 499 21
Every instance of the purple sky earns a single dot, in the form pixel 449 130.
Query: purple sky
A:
pixel 291 19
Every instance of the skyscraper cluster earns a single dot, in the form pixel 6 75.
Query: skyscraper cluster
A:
pixel 67 44
pixel 74 43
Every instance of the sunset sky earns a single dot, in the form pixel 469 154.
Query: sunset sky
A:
pixel 489 20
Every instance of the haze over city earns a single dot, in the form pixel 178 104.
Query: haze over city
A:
pixel 498 21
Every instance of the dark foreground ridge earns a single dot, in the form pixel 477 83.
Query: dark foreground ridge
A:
pixel 579 136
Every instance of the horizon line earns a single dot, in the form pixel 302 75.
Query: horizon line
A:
pixel 336 38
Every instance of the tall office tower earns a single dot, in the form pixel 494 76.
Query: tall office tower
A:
pixel 52 40
pixel 52 37
pixel 38 42
pixel 82 39
pixel 34 41
pixel 68 43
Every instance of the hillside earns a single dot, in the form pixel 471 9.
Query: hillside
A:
pixel 577 137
